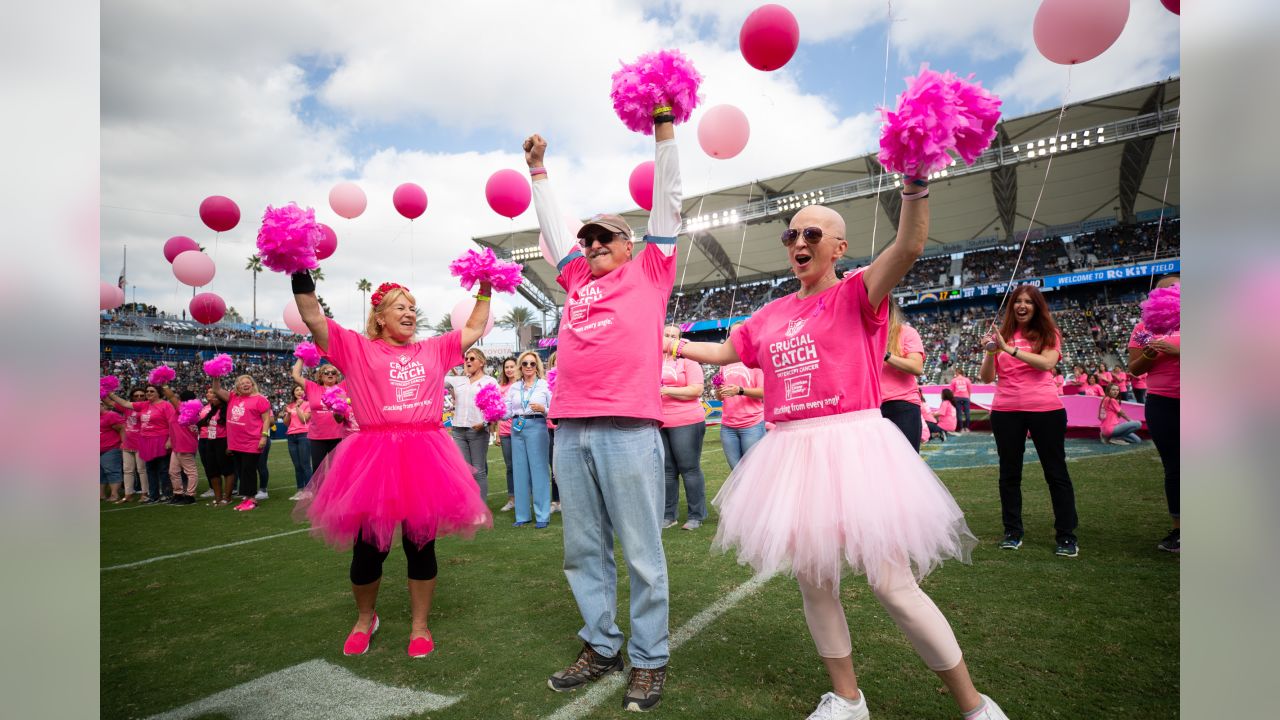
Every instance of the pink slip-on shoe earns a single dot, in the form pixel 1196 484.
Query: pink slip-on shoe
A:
pixel 358 642
pixel 421 647
pixel 247 505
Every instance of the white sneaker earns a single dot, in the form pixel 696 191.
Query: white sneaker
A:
pixel 207 493
pixel 991 712
pixel 666 524
pixel 511 505
pixel 262 495
pixel 555 507
pixel 834 707
pixel 692 525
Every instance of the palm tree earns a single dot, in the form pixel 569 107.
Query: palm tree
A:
pixel 364 286
pixel 255 266
pixel 443 325
pixel 317 275
pixel 517 319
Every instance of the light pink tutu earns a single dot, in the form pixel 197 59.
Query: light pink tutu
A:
pixel 823 496
pixel 389 477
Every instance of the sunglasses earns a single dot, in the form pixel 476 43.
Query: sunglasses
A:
pixel 811 235
pixel 528 364
pixel 604 238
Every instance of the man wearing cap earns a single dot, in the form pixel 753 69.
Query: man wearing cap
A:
pixel 608 453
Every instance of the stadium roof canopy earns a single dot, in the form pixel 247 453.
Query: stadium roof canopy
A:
pixel 1112 158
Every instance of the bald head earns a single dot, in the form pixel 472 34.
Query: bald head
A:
pixel 822 216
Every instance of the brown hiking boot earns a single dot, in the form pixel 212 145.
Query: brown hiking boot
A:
pixel 644 688
pixel 589 667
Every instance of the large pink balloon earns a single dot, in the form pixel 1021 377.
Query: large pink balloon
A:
pixel 193 268
pixel 328 242
pixel 219 213
pixel 574 226
pixel 207 308
pixel 293 319
pixel 508 193
pixel 641 184
pixel 410 200
pixel 178 244
pixel 1070 32
pixel 110 297
pixel 769 37
pixel 458 316
pixel 348 200
pixel 1173 6
pixel 723 131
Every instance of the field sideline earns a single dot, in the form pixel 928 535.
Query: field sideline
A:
pixel 1090 637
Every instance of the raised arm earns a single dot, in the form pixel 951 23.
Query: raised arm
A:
pixel 664 219
pixel 120 402
pixel 474 329
pixel 223 395
pixel 304 293
pixel 296 373
pixel 550 215
pixel 888 270
pixel 171 396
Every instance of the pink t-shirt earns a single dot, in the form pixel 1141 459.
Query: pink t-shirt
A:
pixel 610 341
pixel 1121 379
pixel 183 438
pixel 1105 378
pixel 108 437
pixel 213 430
pixel 394 384
pixel 1139 381
pixel 1058 382
pixel 1020 387
pixel 132 428
pixel 244 422
pixel 154 418
pixel 322 425
pixel 296 425
pixel 504 425
pixel 1111 418
pixel 960 386
pixel 681 373
pixel 1165 376
pixel 741 411
pixel 926 414
pixel 947 416
pixel 1094 390
pixel 894 383
pixel 821 355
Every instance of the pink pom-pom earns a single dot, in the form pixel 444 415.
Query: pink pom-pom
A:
pixel 552 374
pixel 288 239
pixel 939 113
pixel 220 366
pixel 335 398
pixel 492 405
pixel 162 375
pixel 108 385
pixel 480 266
pixel 189 411
pixel 655 79
pixel 1162 310
pixel 308 353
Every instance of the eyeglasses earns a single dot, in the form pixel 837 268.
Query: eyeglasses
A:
pixel 604 238
pixel 812 235
pixel 527 363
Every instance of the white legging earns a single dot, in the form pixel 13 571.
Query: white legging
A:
pixel 135 471
pixel 913 612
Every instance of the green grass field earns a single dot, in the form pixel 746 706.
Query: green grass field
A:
pixel 1090 637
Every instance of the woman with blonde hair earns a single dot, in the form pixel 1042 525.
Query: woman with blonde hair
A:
pixel 507 376
pixel 899 389
pixel 401 474
pixel 324 430
pixel 470 430
pixel 249 421
pixel 528 401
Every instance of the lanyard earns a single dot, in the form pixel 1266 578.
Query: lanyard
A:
pixel 526 394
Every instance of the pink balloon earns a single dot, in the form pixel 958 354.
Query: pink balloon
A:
pixel 1173 6
pixel 193 268
pixel 293 319
pixel 769 37
pixel 110 297
pixel 410 200
pixel 178 244
pixel 1070 32
pixel 219 213
pixel 641 184
pixel 328 242
pixel 348 200
pixel 207 308
pixel 723 131
pixel 508 193
pixel 574 226
pixel 458 316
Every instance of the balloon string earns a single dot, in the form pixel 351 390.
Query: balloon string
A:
pixel 1164 197
pixel 675 309
pixel 1062 111
pixel 413 269
pixel 884 100
pixel 737 267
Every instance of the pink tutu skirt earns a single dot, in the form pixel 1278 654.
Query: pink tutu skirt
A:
pixel 843 493
pixel 151 447
pixel 386 478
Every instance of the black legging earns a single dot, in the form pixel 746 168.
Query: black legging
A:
pixel 214 457
pixel 320 449
pixel 246 466
pixel 907 417
pixel 1049 433
pixel 1164 420
pixel 366 560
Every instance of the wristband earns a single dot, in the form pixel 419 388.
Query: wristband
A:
pixel 886 355
pixel 478 296
pixel 661 110
pixel 1015 352
pixel 916 196
pixel 535 172
pixel 659 119
pixel 303 283
pixel 1154 353
pixel 918 182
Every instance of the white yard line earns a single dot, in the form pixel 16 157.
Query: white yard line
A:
pixel 608 688
pixel 148 561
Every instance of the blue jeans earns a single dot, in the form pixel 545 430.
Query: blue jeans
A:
pixel 962 413
pixel 529 453
pixel 300 454
pixel 682 451
pixel 610 474
pixel 111 467
pixel 737 441
pixel 474 446
pixel 1126 431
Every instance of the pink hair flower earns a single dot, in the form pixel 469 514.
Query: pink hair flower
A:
pixel 717 380
pixel 483 266
pixel 308 353
pixel 288 239
pixel 162 375
pixel 220 365
pixel 657 79
pixel 492 405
